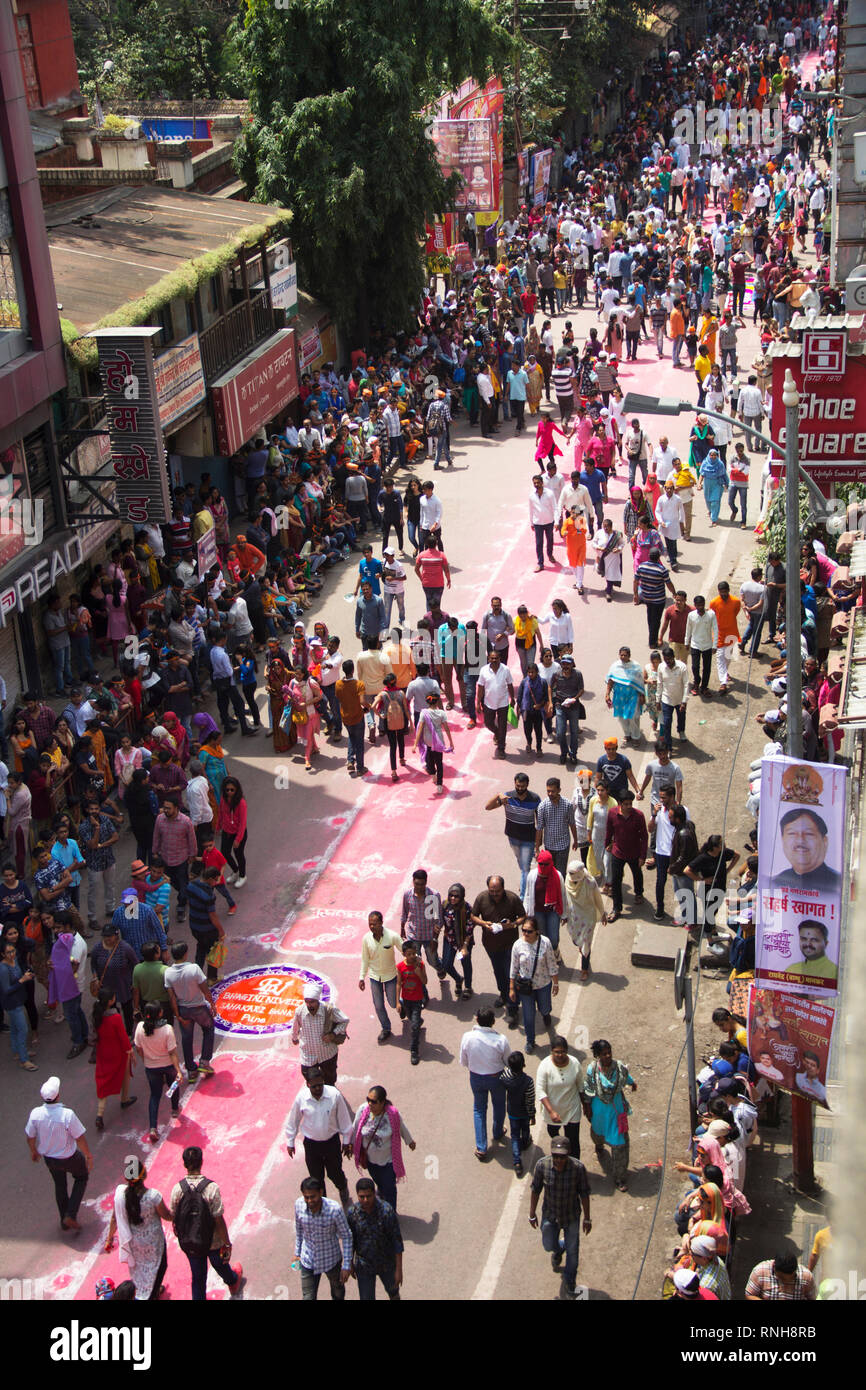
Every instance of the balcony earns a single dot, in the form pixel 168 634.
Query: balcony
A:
pixel 236 333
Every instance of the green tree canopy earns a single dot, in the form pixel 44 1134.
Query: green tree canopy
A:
pixel 160 48
pixel 338 135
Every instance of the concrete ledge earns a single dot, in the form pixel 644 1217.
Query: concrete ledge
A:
pixel 655 946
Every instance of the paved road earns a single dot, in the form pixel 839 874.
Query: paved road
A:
pixel 324 851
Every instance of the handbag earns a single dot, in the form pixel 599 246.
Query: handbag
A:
pixel 363 1160
pixel 513 718
pixel 299 716
pixel 96 985
pixel 524 986
pixel 217 954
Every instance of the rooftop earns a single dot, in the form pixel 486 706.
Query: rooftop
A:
pixel 113 246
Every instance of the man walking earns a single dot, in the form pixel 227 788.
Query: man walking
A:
pixel 378 1244
pixel 555 824
pixel 650 581
pixel 421 919
pixel 192 1002
pixel 322 1116
pixel 542 516
pixel 323 1242
pixel 702 635
pixel 200 1226
pixel 318 1029
pixel 566 688
pixel 495 692
pixel 673 693
pixel 175 843
pixel 377 961
pixel 564 1183
pixel 484 1052
pixel 370 617
pixel 626 838
pixel 55 1133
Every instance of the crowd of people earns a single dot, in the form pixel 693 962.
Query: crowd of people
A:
pixel 668 235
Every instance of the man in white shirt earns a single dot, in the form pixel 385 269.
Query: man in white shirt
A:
pixel 486 393
pixel 609 298
pixel 662 829
pixel 670 520
pixel 485 1053
pixel 750 405
pixel 574 495
pixel 663 459
pixel 430 515
pixel 393 584
pixel 542 517
pixel 332 670
pixel 198 802
pixel 322 1116
pixel 55 1133
pixel 702 636
pixel 396 442
pixel 673 693
pixel 495 691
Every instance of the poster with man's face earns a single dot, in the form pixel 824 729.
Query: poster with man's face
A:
pixel 801 839
pixel 789 1041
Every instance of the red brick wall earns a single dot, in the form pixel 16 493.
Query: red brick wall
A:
pixel 53 47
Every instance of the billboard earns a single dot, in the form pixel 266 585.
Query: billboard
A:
pixel 466 148
pixel 789 1041
pixel 255 391
pixel 128 376
pixel 801 843
pixel 179 380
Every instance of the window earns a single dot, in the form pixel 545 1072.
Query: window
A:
pixel 9 313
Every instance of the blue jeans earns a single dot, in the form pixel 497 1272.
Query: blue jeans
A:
pixel 412 528
pixel 666 720
pixel 17 1020
pixel 412 1009
pixel 568 731
pixel 470 691
pixel 738 492
pixel 384 1177
pixel 752 634
pixel 367 1277
pixel 547 922
pixel 330 694
pixel 197 1014
pixel 482 1087
pixel 157 1077
pixel 62 668
pixel 520 1135
pixel 523 852
pixel 443 448
pixel 633 465
pixel 569 1241
pixel 449 956
pixel 74 1015
pixel 198 1269
pixel 355 751
pixel 382 990
pixel 544 999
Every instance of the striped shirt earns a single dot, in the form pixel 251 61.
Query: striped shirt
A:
pixel 764 1283
pixel 561 379
pixel 308 1028
pixel 555 818
pixel 651 582
pixel 159 898
pixel 520 816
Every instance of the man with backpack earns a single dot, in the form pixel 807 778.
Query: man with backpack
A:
pixel 438 421
pixel 200 1227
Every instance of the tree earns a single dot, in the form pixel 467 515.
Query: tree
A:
pixel 173 48
pixel 338 135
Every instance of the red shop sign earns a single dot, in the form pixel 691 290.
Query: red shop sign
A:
pixel 832 427
pixel 254 391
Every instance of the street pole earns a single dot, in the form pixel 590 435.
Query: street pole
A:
pixel 793 602
pixel 801 1108
pixel 834 194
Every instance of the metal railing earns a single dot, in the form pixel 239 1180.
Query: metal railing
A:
pixel 235 334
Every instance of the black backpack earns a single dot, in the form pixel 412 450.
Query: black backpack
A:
pixel 193 1221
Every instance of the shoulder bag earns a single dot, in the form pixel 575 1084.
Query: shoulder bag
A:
pixel 524 985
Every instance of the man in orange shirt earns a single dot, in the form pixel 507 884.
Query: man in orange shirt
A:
pixel 250 557
pixel 726 609
pixel 677 331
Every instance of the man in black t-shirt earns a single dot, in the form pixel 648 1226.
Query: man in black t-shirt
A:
pixel 500 914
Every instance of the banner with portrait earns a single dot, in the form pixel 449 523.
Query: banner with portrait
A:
pixel 789 1041
pixel 466 148
pixel 801 876
pixel 540 176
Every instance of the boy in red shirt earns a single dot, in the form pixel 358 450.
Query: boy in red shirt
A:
pixel 213 859
pixel 412 974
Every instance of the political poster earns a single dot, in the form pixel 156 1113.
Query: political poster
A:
pixel 789 1041
pixel 540 177
pixel 466 148
pixel 487 103
pixel 801 841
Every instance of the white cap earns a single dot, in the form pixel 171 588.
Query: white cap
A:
pixel 50 1089
pixel 312 990
pixel 389 550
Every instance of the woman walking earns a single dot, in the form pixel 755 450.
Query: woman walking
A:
pixel 378 1135
pixel 543 897
pixel 232 825
pixel 583 908
pixel 625 694
pixel 525 636
pixel 137 1220
pixel 598 857
pixel 393 713
pixel 155 1043
pixel 413 512
pixel 114 1055
pixel 212 757
pixel 532 701
pixel 608 544
pixel 561 628
pixel 430 739
pixel 574 530
pixel 458 940
pixel 533 977
pixel 306 694
pixel 713 481
pixel 604 1089
pixel 65 990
